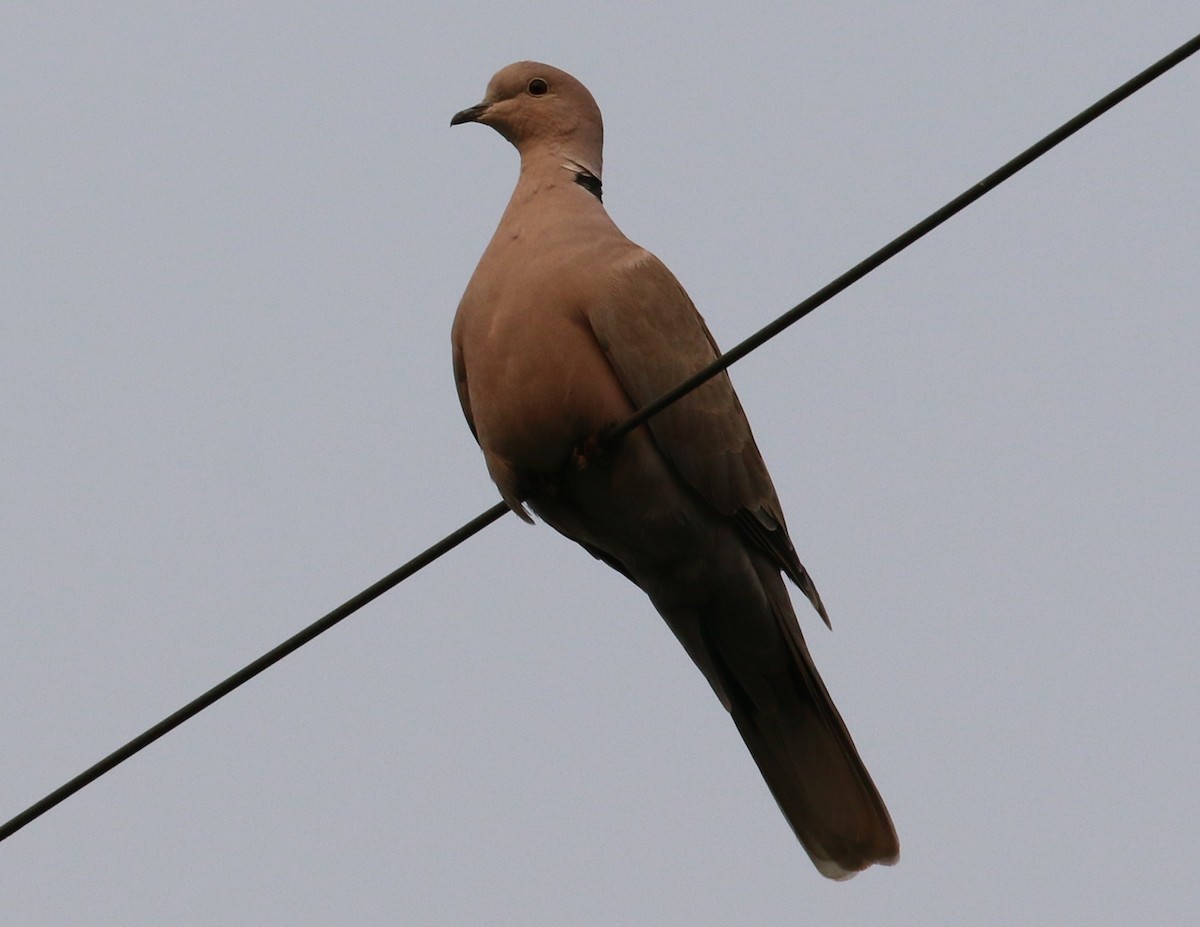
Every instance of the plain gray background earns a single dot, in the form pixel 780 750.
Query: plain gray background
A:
pixel 233 239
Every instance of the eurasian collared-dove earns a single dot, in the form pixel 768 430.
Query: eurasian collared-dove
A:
pixel 565 329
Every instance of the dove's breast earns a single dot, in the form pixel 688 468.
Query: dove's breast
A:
pixel 538 381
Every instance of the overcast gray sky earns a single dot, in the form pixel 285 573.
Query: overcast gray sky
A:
pixel 233 239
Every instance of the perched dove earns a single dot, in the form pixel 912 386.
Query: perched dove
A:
pixel 565 329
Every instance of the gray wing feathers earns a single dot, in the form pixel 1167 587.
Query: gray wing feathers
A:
pixel 654 338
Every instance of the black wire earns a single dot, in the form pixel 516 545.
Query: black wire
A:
pixel 896 245
pixel 248 672
pixel 480 522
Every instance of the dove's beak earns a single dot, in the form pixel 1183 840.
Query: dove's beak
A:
pixel 470 114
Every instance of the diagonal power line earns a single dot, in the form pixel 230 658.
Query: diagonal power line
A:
pixel 477 524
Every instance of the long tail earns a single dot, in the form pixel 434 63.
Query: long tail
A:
pixel 809 762
pixel 812 768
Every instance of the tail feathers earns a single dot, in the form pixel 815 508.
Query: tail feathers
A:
pixel 808 760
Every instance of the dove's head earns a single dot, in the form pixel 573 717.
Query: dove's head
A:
pixel 541 109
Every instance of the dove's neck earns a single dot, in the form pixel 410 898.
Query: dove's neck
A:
pixel 550 167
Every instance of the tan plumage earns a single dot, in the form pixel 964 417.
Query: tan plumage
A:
pixel 566 327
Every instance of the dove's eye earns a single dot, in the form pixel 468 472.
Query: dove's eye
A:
pixel 537 87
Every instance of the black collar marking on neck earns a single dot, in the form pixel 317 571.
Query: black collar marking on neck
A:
pixel 590 182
